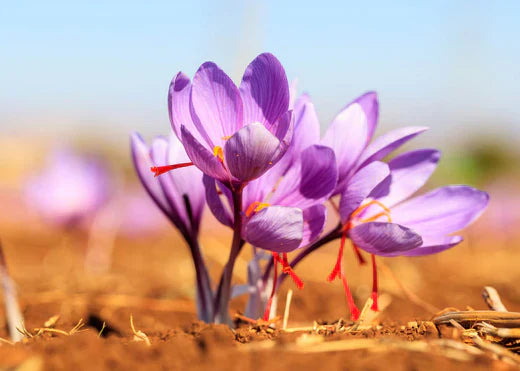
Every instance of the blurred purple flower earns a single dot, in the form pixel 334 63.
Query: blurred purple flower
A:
pixel 282 210
pixel 232 134
pixel 181 198
pixel 69 190
pixel 140 216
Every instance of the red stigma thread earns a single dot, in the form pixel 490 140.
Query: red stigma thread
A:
pixel 338 272
pixel 287 269
pixel 273 291
pixel 158 170
pixel 374 307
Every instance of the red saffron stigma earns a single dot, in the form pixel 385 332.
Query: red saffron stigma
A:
pixel 354 311
pixel 158 170
pixel 338 267
pixel 360 257
pixel 270 301
pixel 374 284
pixel 339 273
pixel 287 269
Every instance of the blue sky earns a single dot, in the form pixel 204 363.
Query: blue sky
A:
pixel 103 67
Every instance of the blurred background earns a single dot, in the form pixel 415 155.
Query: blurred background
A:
pixel 78 77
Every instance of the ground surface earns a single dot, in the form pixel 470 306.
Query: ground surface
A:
pixel 152 279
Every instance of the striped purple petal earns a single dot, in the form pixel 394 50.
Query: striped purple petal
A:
pixel 216 106
pixel 442 211
pixel 265 91
pixel 275 228
pixel 409 172
pixel 385 239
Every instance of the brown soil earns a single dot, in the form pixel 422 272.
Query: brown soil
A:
pixel 152 280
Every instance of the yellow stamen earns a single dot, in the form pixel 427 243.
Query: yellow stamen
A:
pixel 219 153
pixel 375 217
pixel 255 207
pixel 227 137
pixel 373 202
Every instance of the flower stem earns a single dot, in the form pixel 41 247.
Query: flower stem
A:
pixel 223 296
pixel 204 292
pixel 203 282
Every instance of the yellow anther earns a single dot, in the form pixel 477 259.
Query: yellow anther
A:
pixel 255 207
pixel 227 137
pixel 219 153
pixel 375 217
pixel 373 202
pixel 385 212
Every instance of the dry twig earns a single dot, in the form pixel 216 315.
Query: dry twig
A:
pixel 492 299
pixel 287 308
pixel 469 318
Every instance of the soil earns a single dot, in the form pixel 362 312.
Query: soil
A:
pixel 151 279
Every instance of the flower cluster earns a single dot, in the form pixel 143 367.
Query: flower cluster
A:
pixel 254 154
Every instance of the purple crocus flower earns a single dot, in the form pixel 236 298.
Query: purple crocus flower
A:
pixel 232 134
pixel 70 189
pixel 181 198
pixel 379 217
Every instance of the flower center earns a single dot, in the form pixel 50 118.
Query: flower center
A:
pixel 255 207
pixel 218 153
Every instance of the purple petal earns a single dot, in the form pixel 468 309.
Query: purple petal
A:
pixel 310 181
pixel 187 181
pixel 370 105
pixel 215 204
pixel 434 245
pixel 284 132
pixel 201 157
pixel 275 228
pixel 159 154
pixel 359 187
pixel 347 136
pixel 293 91
pixel 387 143
pixel 441 211
pixel 306 127
pixel 259 188
pixel 384 239
pixel 313 223
pixel 409 172
pixel 179 105
pixel 251 152
pixel 264 90
pixel 216 104
pixel 143 162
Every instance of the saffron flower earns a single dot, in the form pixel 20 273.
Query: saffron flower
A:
pixel 282 210
pixel 69 190
pixel 181 198
pixel 379 217
pixel 232 134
